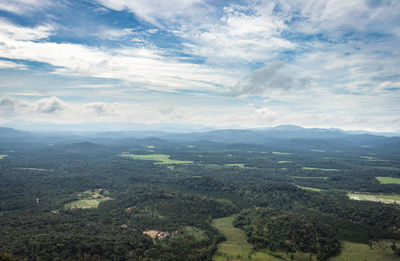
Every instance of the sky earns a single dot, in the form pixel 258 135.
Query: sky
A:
pixel 222 64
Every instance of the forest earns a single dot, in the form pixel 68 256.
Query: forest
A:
pixel 114 196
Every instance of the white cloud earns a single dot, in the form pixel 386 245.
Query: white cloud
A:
pixel 153 11
pixel 270 79
pixel 243 34
pixel 101 109
pixel 50 105
pixel 22 6
pixel 144 67
pixel 19 33
pixel 11 65
pixel 215 115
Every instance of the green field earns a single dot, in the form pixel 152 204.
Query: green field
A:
pixel 373 159
pixel 284 161
pixel 34 169
pixel 3 156
pixel 354 251
pixel 311 168
pixel 195 232
pixel 309 188
pixel 302 177
pixel 384 198
pixel 281 153
pixel 314 150
pixel 159 158
pixel 83 203
pixel 150 146
pixel 388 180
pixel 237 248
pixel 237 165
pixel 88 199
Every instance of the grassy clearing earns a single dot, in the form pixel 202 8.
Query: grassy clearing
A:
pixel 236 165
pixel 373 159
pixel 314 150
pixel 284 161
pixel 301 177
pixel 195 232
pixel 159 158
pixel 384 198
pixel 355 251
pixel 88 199
pixel 237 248
pixel 3 156
pixel 388 180
pixel 282 153
pixel 83 203
pixel 321 169
pixel 35 169
pixel 150 146
pixel 309 188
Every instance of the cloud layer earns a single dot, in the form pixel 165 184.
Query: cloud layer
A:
pixel 249 63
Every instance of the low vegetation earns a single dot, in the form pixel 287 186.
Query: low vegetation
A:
pixel 88 199
pixel 235 246
pixel 321 169
pixel 376 251
pixel 282 153
pixel 388 199
pixel 159 158
pixel 388 180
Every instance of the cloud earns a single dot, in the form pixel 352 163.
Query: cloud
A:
pixel 242 34
pixel 20 33
pixel 7 104
pixel 145 67
pixel 22 6
pixel 154 11
pixel 268 79
pixel 50 105
pixel 101 109
pixel 10 106
pixel 11 65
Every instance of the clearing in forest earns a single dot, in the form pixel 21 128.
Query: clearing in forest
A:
pixel 284 161
pixel 159 158
pixel 321 169
pixel 236 247
pixel 89 199
pixel 378 251
pixel 315 150
pixel 384 198
pixel 302 177
pixel 282 153
pixel 237 165
pixel 309 188
pixel 388 180
pixel 3 156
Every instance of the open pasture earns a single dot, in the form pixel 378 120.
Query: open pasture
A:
pixel 384 198
pixel 355 251
pixel 159 158
pixel 282 153
pixel 388 180
pixel 321 169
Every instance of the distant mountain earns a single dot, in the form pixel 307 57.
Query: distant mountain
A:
pixel 10 132
pixel 283 136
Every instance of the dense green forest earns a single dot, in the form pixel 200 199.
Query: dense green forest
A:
pixel 78 197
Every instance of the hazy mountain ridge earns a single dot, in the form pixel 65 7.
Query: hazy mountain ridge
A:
pixel 282 136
